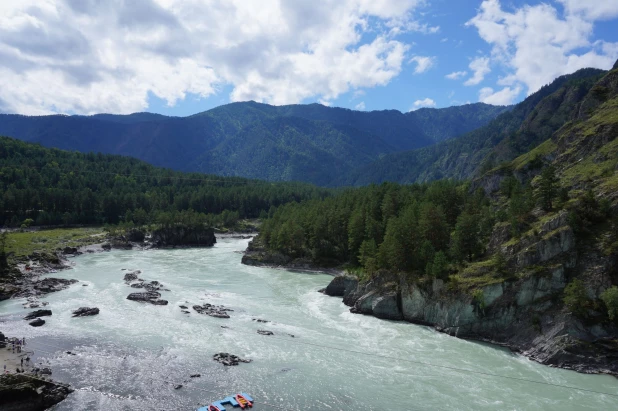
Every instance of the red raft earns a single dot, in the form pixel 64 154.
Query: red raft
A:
pixel 243 402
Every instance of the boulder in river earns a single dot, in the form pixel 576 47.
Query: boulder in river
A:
pixel 212 310
pixel 265 332
pixel 37 323
pixel 85 312
pixel 132 276
pixel 151 297
pixel 38 313
pixel 50 285
pixel 229 359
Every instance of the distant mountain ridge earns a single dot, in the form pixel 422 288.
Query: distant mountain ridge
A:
pixel 311 143
pixel 509 135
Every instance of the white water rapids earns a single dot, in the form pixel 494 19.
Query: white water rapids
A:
pixel 132 355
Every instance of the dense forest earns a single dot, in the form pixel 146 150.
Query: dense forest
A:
pixel 51 187
pixel 428 230
pixel 415 228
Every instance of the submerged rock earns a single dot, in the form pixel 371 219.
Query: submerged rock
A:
pixel 38 313
pixel 229 359
pixel 265 332
pixel 85 311
pixel 37 323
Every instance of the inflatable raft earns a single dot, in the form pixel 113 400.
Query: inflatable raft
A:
pixel 242 400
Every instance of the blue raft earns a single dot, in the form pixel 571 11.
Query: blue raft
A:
pixel 227 400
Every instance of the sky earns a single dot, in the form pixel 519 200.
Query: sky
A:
pixel 181 57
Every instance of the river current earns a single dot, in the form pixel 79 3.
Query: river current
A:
pixel 132 356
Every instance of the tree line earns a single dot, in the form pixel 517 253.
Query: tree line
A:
pixel 44 186
pixel 413 228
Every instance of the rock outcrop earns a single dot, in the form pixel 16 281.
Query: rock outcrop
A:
pixel 20 392
pixel 151 297
pixel 216 311
pixel 180 235
pixel 131 276
pixel 38 313
pixel 523 312
pixel 37 323
pixel 340 285
pixel 229 359
pixel 85 312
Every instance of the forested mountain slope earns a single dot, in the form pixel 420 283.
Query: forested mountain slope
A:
pixel 525 256
pixel 507 136
pixel 311 143
pixel 51 186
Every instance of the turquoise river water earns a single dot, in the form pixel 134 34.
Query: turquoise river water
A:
pixel 132 355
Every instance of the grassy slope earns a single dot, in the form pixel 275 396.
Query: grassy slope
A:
pixel 23 244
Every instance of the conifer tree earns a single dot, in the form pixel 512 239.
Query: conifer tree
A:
pixel 548 187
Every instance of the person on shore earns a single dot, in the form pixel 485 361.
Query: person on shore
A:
pixel 22 363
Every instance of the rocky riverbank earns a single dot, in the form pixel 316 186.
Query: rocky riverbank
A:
pixel 524 311
pixel 257 255
pixel 22 279
pixel 24 386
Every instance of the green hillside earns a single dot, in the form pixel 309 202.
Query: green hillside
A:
pixel 310 143
pixel 51 186
pixel 510 134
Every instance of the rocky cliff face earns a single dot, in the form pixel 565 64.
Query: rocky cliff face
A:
pixel 524 313
pixel 183 236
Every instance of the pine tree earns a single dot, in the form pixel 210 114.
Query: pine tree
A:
pixel 548 187
pixel 465 241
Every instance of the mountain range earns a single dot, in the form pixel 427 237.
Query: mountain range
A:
pixel 311 143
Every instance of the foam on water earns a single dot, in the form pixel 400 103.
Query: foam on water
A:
pixel 131 355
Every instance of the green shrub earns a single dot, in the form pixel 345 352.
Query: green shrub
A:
pixel 576 299
pixel 610 298
pixel 479 298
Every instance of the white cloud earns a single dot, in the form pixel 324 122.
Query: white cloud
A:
pixel 592 9
pixel 444 40
pixel 423 63
pixel 78 56
pixel 423 103
pixel 360 106
pixel 456 75
pixel 480 68
pixel 358 93
pixel 536 44
pixel 504 97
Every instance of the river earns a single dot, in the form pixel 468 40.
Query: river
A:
pixel 132 355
